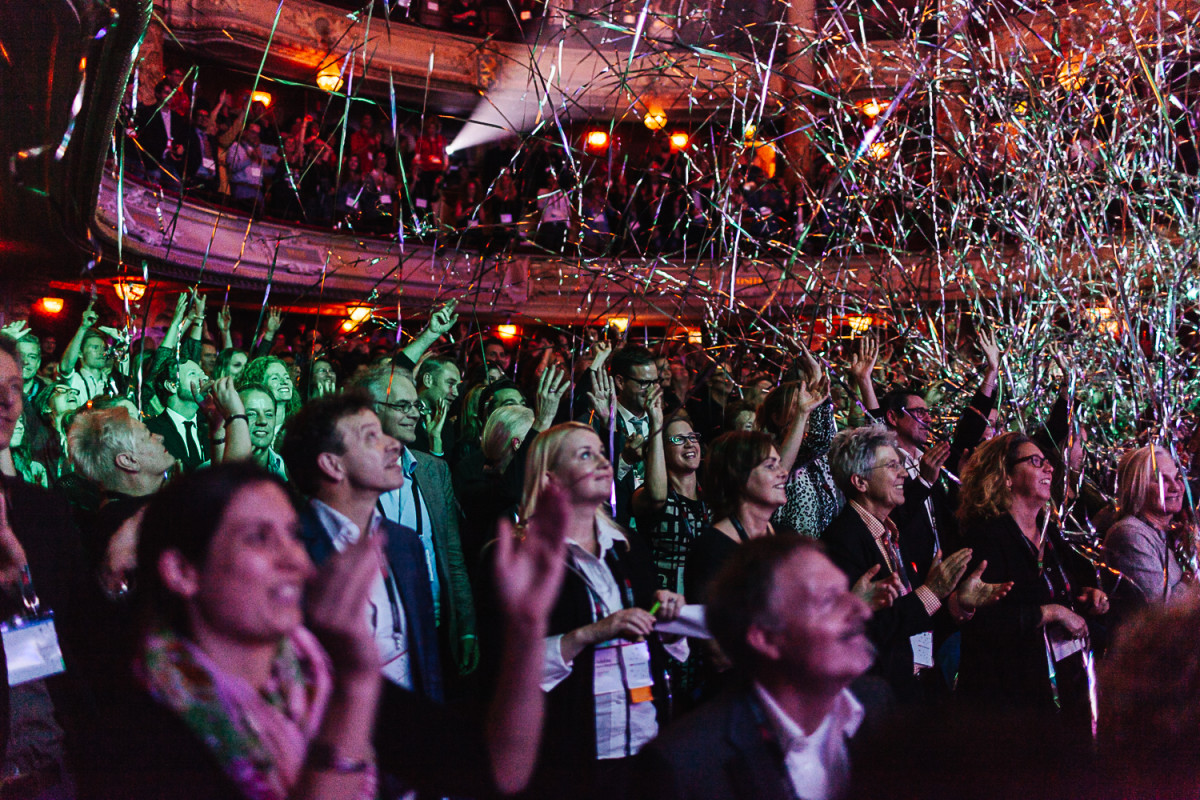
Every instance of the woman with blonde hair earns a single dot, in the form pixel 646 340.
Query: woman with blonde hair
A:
pixel 493 491
pixel 604 663
pixel 1024 652
pixel 1148 543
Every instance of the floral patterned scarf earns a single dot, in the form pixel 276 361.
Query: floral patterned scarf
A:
pixel 259 738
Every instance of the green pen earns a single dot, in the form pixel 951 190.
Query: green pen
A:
pixel 654 608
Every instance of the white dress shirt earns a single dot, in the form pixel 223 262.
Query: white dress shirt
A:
pixel 818 765
pixel 391 631
pixel 613 709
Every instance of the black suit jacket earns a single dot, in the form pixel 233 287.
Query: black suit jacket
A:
pixel 851 546
pixel 726 750
pixel 152 136
pixel 174 443
pixel 406 557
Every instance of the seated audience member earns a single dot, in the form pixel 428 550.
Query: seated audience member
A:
pixel 179 386
pixel 37 533
pixel 425 503
pixel 1004 499
pixel 743 486
pixel 864 541
pixel 603 669
pixel 796 634
pixel 1147 542
pixel 260 416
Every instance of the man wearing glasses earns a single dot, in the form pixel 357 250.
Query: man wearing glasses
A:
pixel 633 375
pixel 426 504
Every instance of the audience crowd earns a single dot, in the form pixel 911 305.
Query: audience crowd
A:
pixel 363 174
pixel 303 568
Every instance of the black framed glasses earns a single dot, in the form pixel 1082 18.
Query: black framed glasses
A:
pixel 406 407
pixel 680 438
pixel 919 414
pixel 644 384
pixel 1036 461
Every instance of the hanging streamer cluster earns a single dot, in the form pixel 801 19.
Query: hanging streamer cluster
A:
pixel 1025 168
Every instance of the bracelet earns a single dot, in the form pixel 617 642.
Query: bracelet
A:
pixel 324 758
pixel 229 421
pixel 218 441
pixel 439 455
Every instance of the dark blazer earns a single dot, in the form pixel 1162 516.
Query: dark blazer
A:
pixel 174 443
pixel 851 546
pixel 1003 647
pixel 568 749
pixel 406 557
pixel 152 135
pixel 725 750
pixel 432 478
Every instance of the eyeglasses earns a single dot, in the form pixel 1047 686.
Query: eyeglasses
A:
pixel 65 390
pixel 680 438
pixel 1037 462
pixel 405 407
pixel 919 414
pixel 642 383
pixel 894 465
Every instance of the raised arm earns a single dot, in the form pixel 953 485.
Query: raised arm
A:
pixel 860 367
pixel 652 495
pixel 71 354
pixel 271 327
pixel 811 394
pixel 440 323
pixel 551 386
pixel 224 320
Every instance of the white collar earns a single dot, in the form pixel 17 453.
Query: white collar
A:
pixel 844 717
pixel 341 529
pixel 629 416
pixel 178 418
pixel 608 533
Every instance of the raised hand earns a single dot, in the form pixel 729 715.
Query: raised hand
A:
pixel 603 394
pixel 877 593
pixel 654 408
pixel 601 350
pixel 228 401
pixel 274 319
pixel 15 330
pixel 182 303
pixel 812 394
pixel 862 363
pixel 552 383
pixel 437 419
pixel 224 319
pixel 90 316
pixel 991 350
pixel 444 319
pixel 973 593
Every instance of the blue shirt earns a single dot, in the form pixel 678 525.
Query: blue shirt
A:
pixel 398 506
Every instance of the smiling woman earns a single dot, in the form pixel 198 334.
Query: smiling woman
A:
pixel 1027 651
pixel 744 483
pixel 604 664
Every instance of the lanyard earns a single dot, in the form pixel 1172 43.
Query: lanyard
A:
pixel 389 584
pixel 741 532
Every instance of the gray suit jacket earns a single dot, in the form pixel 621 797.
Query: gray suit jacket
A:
pixel 458 606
